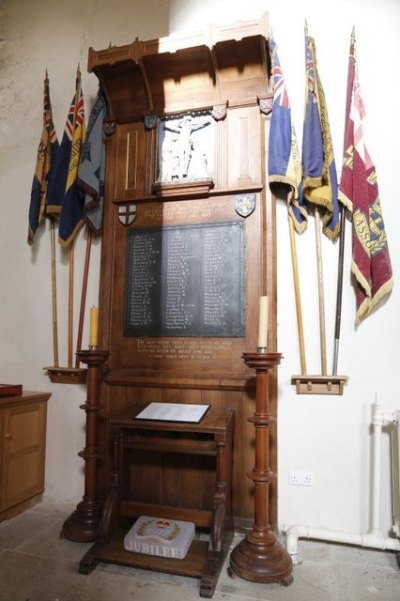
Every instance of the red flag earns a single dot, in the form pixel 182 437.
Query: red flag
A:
pixel 358 190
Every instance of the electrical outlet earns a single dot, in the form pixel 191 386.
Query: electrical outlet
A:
pixel 301 478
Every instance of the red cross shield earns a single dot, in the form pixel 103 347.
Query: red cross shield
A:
pixel 127 214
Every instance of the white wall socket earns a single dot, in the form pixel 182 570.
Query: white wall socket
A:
pixel 301 478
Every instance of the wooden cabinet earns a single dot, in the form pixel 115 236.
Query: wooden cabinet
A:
pixel 22 450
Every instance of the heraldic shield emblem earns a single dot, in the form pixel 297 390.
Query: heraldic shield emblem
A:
pixel 245 204
pixel 127 214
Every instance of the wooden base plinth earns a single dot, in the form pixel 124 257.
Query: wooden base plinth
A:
pixel 262 562
pixel 82 524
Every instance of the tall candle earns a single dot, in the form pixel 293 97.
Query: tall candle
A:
pixel 263 322
pixel 94 323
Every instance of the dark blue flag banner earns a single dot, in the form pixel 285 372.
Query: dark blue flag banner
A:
pixel 46 157
pixel 320 185
pixel 284 164
pixel 64 200
pixel 72 203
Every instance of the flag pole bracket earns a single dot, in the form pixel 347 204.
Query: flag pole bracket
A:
pixel 66 375
pixel 318 384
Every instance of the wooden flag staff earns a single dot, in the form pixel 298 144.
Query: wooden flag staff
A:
pixel 54 289
pixel 69 374
pixel 71 303
pixel 323 383
pixel 83 296
pixel 296 282
pixel 321 295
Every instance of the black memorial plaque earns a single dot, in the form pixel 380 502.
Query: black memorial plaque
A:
pixel 185 281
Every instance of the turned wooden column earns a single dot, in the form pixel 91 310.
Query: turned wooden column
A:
pixel 82 524
pixel 259 556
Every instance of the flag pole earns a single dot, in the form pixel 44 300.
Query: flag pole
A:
pixel 71 303
pixel 321 301
pixel 83 296
pixel 54 291
pixel 339 292
pixel 296 282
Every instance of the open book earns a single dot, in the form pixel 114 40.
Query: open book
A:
pixel 174 412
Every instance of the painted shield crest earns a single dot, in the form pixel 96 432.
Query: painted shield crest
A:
pixel 245 204
pixel 127 214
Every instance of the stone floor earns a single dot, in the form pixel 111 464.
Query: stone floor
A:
pixel 36 565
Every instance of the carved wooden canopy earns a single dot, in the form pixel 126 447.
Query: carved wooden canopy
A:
pixel 225 65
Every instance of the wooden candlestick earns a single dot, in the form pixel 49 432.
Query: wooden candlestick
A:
pixel 82 524
pixel 259 556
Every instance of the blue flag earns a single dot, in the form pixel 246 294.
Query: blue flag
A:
pixel 72 203
pixel 284 164
pixel 91 170
pixel 64 199
pixel 46 157
pixel 320 185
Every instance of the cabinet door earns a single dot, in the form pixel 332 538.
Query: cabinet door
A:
pixel 24 430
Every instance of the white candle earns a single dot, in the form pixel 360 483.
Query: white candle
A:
pixel 94 321
pixel 263 322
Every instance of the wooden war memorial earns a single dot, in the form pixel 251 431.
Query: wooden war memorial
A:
pixel 188 249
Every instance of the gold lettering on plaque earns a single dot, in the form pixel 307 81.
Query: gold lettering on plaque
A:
pixel 183 349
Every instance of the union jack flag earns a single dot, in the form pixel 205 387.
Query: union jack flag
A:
pixel 284 165
pixel 65 198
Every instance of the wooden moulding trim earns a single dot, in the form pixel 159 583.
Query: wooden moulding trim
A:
pixel 183 190
pixel 157 379
pixel 211 192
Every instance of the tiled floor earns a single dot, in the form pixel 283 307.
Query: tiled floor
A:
pixel 36 565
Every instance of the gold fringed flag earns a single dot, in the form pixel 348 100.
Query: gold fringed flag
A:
pixel 284 164
pixel 371 263
pixel 46 157
pixel 71 216
pixel 64 199
pixel 319 171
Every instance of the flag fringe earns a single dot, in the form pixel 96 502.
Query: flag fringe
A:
pixel 66 243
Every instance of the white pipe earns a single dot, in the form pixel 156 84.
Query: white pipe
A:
pixel 373 538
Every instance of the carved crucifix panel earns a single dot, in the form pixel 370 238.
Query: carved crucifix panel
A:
pixel 186 148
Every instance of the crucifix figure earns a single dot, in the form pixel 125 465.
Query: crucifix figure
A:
pixel 178 151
